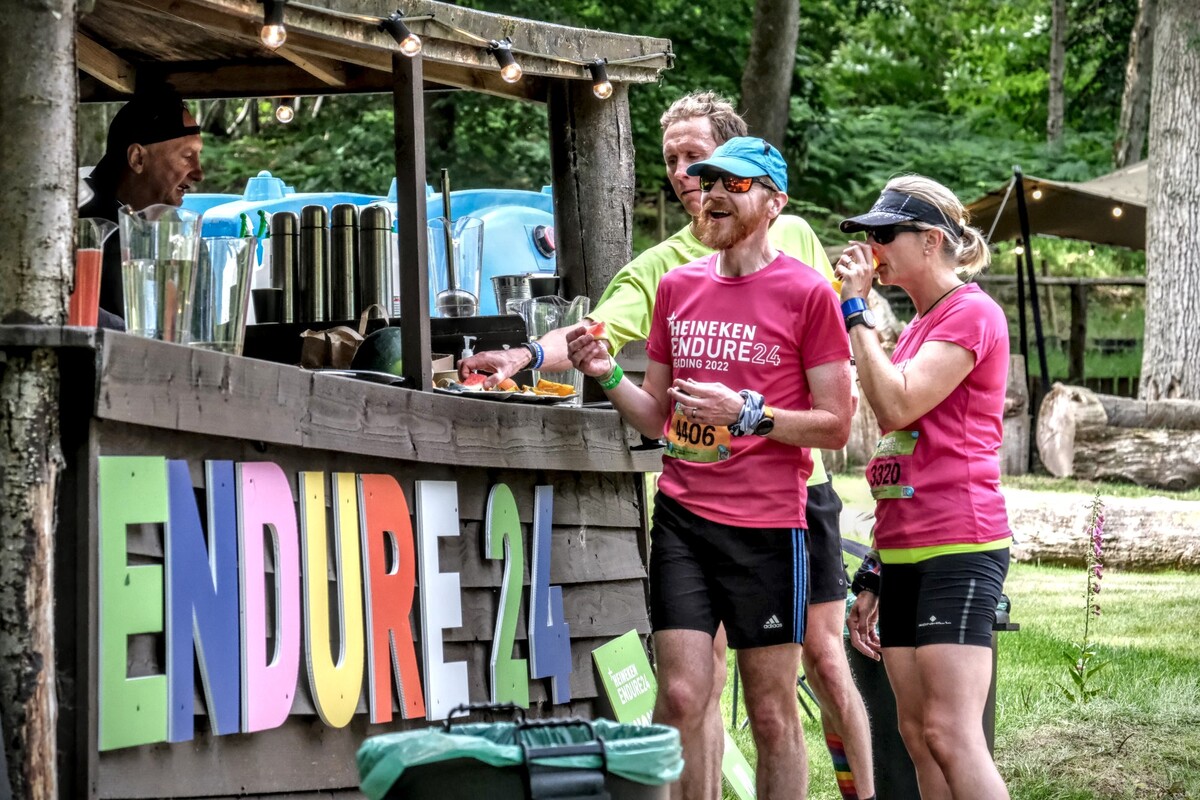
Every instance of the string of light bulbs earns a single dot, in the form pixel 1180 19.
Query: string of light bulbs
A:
pixel 274 35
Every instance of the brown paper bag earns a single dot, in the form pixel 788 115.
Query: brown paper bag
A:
pixel 329 348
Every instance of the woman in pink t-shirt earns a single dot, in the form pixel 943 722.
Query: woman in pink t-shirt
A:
pixel 941 529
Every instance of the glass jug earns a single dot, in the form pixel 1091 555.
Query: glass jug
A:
pixel 544 314
pixel 159 248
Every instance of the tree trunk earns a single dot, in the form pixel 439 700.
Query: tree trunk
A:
pixel 37 108
pixel 212 116
pixel 1135 101
pixel 591 154
pixel 1170 367
pixel 767 78
pixel 1014 448
pixel 1095 437
pixel 1139 533
pixel 92 131
pixel 1058 57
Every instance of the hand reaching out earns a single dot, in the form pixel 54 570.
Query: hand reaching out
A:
pixel 587 354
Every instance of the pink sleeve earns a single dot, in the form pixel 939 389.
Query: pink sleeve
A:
pixel 822 331
pixel 974 324
pixel 658 344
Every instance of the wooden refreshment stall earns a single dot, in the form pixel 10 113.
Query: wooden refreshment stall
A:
pixel 259 566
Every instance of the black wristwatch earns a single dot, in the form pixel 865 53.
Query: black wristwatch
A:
pixel 864 317
pixel 529 348
pixel 766 424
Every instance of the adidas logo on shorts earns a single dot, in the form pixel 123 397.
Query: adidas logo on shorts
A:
pixel 772 623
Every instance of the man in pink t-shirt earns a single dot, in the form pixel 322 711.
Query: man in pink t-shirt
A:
pixel 749 367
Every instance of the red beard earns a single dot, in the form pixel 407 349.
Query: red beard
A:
pixel 725 233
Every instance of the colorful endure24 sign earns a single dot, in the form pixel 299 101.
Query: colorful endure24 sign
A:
pixel 210 598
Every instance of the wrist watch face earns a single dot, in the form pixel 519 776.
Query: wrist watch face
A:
pixel 766 424
pixel 865 317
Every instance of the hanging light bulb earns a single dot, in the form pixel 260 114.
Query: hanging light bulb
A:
pixel 410 43
pixel 285 112
pixel 1019 250
pixel 273 34
pixel 510 70
pixel 1091 251
pixel 1117 212
pixel 1037 194
pixel 601 86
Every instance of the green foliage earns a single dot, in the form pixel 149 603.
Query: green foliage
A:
pixel 310 154
pixel 955 89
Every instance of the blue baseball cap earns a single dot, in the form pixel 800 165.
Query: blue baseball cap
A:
pixel 746 157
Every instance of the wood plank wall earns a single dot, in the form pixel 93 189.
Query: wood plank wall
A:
pixel 595 558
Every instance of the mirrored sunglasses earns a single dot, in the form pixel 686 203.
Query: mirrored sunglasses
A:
pixel 732 183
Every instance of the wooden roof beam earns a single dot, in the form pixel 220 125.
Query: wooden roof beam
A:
pixel 322 49
pixel 330 72
pixel 105 65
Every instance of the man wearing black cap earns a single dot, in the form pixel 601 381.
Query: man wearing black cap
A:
pixel 152 156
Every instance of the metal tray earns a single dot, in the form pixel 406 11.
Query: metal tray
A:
pixel 385 378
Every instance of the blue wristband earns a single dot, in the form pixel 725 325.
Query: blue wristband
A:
pixel 853 306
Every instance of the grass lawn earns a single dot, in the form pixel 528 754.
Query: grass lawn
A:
pixel 1140 738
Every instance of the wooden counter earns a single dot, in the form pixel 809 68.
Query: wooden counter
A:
pixel 124 396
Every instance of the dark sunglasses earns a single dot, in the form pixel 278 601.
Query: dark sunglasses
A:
pixel 733 184
pixel 887 233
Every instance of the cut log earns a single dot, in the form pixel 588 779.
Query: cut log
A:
pixel 1078 436
pixel 1145 533
pixel 1125 412
pixel 1064 411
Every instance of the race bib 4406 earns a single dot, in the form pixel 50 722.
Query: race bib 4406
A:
pixel 696 442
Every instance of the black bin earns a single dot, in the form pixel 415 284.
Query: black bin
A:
pixel 539 759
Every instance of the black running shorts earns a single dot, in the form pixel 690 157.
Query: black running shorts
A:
pixel 826 567
pixel 702 573
pixel 947 599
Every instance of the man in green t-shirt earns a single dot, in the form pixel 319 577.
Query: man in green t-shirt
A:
pixel 693 127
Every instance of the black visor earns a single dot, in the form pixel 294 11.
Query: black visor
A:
pixel 895 207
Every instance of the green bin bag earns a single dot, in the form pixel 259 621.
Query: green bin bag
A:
pixel 645 754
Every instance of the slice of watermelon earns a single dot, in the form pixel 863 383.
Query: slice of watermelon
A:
pixel 474 379
pixel 597 331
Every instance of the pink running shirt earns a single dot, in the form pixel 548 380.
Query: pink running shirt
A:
pixel 760 332
pixel 953 472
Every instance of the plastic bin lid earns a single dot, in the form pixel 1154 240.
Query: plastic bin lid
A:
pixel 645 754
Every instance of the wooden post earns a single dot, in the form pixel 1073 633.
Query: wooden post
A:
pixel 591 154
pixel 662 215
pixel 409 104
pixel 1051 311
pixel 38 95
pixel 1078 344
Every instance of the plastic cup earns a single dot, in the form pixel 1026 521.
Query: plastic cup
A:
pixel 221 293
pixel 84 307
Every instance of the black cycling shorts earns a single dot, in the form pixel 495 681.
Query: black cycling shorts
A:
pixel 702 573
pixel 826 566
pixel 948 599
